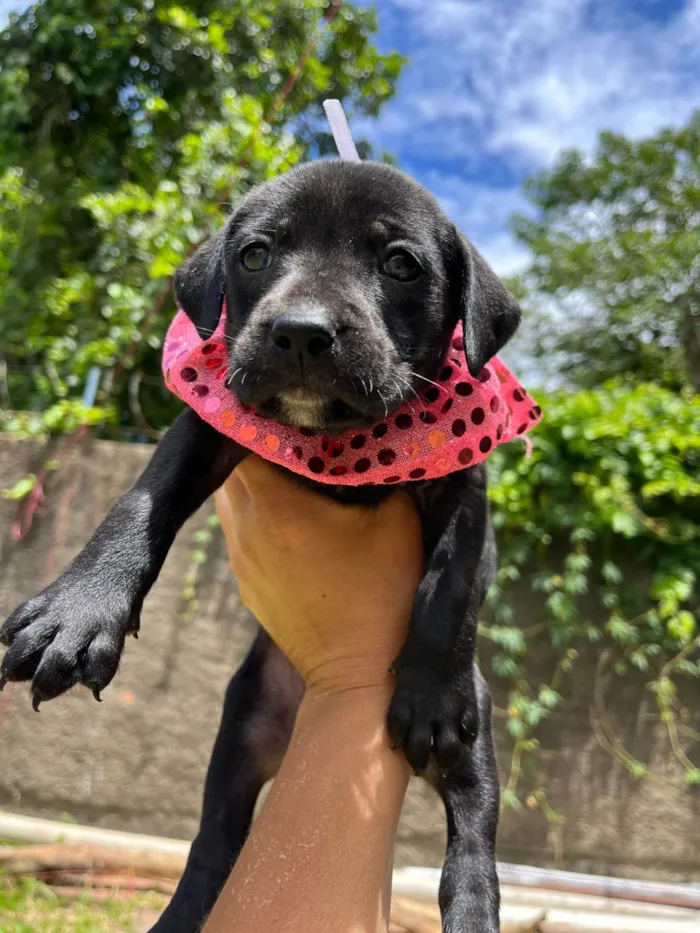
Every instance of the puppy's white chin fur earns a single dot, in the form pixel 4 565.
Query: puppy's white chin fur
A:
pixel 301 408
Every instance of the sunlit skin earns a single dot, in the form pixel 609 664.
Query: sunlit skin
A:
pixel 319 856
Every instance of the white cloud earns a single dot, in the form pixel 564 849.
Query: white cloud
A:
pixel 523 80
pixel 495 89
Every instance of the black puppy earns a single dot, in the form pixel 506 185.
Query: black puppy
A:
pixel 343 284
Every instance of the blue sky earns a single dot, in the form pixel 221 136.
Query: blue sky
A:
pixel 496 88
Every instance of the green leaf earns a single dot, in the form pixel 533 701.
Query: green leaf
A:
pixel 510 800
pixel 548 697
pixel 611 572
pixel 21 489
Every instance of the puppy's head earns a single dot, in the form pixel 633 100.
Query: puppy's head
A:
pixel 343 283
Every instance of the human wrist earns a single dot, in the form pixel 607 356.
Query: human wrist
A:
pixel 361 659
pixel 366 702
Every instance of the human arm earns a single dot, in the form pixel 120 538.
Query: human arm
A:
pixel 334 587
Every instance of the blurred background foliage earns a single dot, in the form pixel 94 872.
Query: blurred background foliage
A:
pixel 126 130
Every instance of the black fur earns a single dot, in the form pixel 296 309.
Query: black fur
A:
pixel 328 230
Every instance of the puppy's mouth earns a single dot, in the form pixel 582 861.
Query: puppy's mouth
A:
pixel 306 408
pixel 303 408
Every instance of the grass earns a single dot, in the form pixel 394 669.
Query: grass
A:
pixel 29 906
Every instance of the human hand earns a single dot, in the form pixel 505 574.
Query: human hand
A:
pixel 332 584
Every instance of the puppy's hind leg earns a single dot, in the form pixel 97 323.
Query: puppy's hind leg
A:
pixel 261 703
pixel 469 890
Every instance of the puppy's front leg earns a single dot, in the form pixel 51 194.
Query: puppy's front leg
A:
pixel 434 708
pixel 74 630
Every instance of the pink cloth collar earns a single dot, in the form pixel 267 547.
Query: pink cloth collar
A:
pixel 454 426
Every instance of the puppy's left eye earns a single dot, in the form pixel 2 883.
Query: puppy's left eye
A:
pixel 402 266
pixel 256 257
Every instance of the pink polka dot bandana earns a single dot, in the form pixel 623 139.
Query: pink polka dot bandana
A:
pixel 457 423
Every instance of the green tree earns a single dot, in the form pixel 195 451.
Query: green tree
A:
pixel 614 285
pixel 125 131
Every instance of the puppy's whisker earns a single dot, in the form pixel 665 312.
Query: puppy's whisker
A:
pixel 233 376
pixel 386 407
pixel 406 384
pixel 371 387
pixel 207 331
pixel 400 387
pixel 425 379
pixel 420 400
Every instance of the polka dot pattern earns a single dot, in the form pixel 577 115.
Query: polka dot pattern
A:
pixel 455 422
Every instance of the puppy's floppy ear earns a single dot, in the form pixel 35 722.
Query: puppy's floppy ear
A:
pixel 200 284
pixel 490 314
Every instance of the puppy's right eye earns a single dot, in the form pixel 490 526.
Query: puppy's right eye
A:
pixel 255 257
pixel 402 266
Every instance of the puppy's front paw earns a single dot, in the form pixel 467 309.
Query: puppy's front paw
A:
pixel 72 632
pixel 433 710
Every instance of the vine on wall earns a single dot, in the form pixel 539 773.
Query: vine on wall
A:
pixel 614 477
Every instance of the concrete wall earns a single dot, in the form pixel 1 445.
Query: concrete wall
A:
pixel 137 761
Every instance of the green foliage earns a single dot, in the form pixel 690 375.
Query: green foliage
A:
pixel 614 285
pixel 125 132
pixel 201 539
pixel 606 512
pixel 29 906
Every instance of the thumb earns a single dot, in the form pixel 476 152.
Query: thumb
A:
pixel 257 476
pixel 273 491
pixel 232 501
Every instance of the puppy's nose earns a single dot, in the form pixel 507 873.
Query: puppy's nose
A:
pixel 306 334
